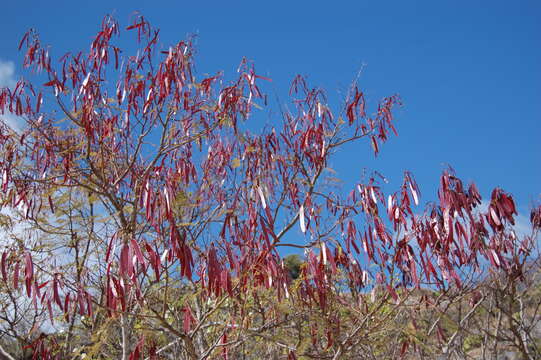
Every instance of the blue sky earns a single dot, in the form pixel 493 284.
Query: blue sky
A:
pixel 469 72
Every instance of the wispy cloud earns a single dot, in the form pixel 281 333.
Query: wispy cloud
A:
pixel 522 225
pixel 7 74
pixel 7 79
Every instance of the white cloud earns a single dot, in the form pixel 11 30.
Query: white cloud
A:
pixel 522 225
pixel 13 121
pixel 7 79
pixel 7 74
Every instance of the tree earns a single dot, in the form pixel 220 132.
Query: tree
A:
pixel 153 217
pixel 293 264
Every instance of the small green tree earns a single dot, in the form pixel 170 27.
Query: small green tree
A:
pixel 293 264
